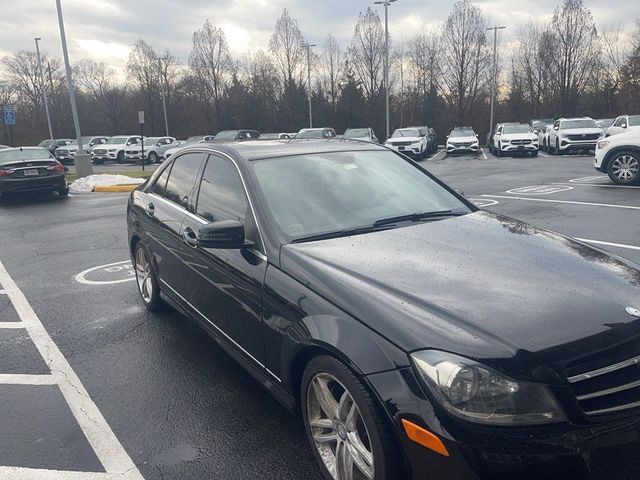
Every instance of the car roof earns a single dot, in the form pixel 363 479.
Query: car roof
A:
pixel 256 149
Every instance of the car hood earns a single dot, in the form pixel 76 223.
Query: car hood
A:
pixel 581 131
pixel 630 136
pixel 471 138
pixel 482 285
pixel 519 136
pixel 404 140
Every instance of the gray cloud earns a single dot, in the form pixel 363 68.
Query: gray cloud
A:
pixel 103 29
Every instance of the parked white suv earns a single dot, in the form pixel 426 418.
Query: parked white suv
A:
pixel 574 134
pixel 154 149
pixel 619 157
pixel 623 124
pixel 411 141
pixel 66 153
pixel 462 140
pixel 114 149
pixel 515 138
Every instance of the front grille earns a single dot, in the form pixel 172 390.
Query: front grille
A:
pixel 608 382
pixel 99 151
pixel 462 144
pixel 63 152
pixel 132 152
pixel 520 142
pixel 586 136
pixel 401 144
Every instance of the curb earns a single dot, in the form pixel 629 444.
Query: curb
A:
pixel 115 188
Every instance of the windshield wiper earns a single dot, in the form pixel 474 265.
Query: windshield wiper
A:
pixel 416 217
pixel 342 233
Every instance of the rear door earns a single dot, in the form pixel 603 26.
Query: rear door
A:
pixel 225 285
pixel 165 210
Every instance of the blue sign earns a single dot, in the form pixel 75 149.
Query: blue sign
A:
pixel 9 115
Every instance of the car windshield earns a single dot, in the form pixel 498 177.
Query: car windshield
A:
pixel 341 191
pixel 7 156
pixel 634 120
pixel 584 123
pixel 462 132
pixel 406 132
pixel 508 129
pixel 116 140
pixel 605 122
pixel 45 143
pixel 226 135
pixel 356 133
pixel 310 134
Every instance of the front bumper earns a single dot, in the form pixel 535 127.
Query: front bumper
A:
pixel 560 451
pixel 413 150
pixel 453 149
pixel 509 148
pixel 569 145
pixel 32 184
pixel 104 156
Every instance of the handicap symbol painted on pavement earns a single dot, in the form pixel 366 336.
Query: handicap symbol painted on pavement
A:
pixel 118 272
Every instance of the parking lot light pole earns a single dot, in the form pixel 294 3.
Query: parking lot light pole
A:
pixel 495 72
pixel 44 90
pixel 163 94
pixel 386 4
pixel 308 47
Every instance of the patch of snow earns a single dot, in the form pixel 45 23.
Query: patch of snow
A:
pixel 86 184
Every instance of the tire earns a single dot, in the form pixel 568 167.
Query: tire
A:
pixel 146 280
pixel 624 167
pixel 326 384
pixel 63 192
pixel 534 154
pixel 98 162
pixel 152 157
pixel 499 151
pixel 120 157
pixel 557 149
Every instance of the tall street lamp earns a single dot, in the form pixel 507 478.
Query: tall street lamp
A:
pixel 495 72
pixel 386 4
pixel 163 93
pixel 67 65
pixel 308 47
pixel 44 90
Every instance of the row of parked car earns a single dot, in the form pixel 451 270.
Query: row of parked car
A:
pixel 415 141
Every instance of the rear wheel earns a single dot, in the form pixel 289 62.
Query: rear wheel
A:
pixel 624 167
pixel 146 280
pixel 348 432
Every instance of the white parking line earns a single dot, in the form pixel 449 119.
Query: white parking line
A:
pixel 434 156
pixel 483 154
pixel 13 379
pixel 598 185
pixel 22 473
pixel 609 244
pixel 544 154
pixel 609 205
pixel 106 446
pixel 11 325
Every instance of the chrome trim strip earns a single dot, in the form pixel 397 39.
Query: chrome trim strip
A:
pixel 613 409
pixel 604 370
pixel 179 208
pixel 222 332
pixel 609 391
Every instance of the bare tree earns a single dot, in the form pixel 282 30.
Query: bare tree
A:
pixel 212 66
pixel 423 52
pixel 466 60
pixel 331 68
pixel 576 52
pixel 366 53
pixel 287 48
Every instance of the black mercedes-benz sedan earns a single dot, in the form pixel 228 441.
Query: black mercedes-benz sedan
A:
pixel 415 335
pixel 30 169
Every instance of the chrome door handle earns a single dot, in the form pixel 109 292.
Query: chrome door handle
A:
pixel 150 209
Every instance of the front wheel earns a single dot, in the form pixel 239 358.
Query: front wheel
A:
pixel 499 151
pixel 624 167
pixel 120 157
pixel 146 280
pixel 348 432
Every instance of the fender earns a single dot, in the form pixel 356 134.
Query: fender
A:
pixel 611 153
pixel 299 323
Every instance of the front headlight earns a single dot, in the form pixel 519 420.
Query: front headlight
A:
pixel 477 393
pixel 603 144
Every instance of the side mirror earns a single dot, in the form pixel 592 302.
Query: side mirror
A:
pixel 556 127
pixel 624 125
pixel 227 234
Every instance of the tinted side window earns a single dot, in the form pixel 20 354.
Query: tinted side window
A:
pixel 182 178
pixel 222 195
pixel 161 182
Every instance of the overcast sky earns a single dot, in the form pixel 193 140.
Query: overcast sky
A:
pixel 104 29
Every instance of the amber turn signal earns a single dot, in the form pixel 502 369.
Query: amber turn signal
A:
pixel 424 437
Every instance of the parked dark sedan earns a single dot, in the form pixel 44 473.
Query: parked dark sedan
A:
pixel 29 169
pixel 417 336
pixel 52 144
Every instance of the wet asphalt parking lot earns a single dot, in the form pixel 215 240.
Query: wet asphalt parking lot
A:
pixel 91 383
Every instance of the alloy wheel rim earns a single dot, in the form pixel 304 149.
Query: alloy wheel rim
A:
pixel 338 431
pixel 143 275
pixel 626 167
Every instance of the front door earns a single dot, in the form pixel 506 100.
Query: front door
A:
pixel 225 285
